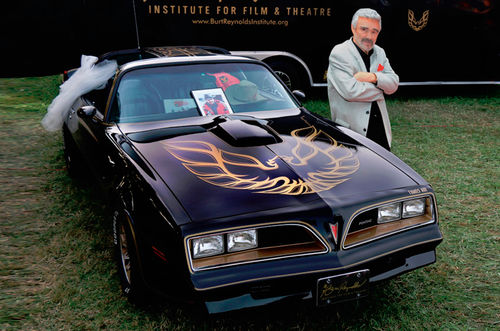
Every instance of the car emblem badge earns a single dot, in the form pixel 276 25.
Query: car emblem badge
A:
pixel 415 24
pixel 335 231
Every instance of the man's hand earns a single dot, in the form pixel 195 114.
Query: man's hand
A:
pixel 367 77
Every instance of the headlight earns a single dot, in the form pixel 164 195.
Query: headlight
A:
pixel 396 211
pixel 266 241
pixel 389 213
pixel 413 208
pixel 208 246
pixel 241 240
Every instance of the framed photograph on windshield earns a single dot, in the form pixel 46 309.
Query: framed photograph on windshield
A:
pixel 212 102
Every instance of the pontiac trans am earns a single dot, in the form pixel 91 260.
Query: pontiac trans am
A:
pixel 225 191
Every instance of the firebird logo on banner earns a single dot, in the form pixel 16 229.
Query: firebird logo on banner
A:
pixel 421 23
pixel 339 162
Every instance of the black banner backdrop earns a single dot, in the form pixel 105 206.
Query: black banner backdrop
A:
pixel 426 40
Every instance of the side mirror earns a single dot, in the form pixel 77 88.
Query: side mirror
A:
pixel 301 96
pixel 86 111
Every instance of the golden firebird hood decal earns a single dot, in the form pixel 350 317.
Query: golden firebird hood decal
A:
pixel 231 170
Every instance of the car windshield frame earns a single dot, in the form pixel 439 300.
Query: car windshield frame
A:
pixel 248 87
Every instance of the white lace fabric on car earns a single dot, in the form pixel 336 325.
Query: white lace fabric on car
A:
pixel 88 77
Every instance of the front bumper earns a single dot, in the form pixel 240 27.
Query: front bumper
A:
pixel 297 278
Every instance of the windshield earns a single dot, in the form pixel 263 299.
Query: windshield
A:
pixel 181 91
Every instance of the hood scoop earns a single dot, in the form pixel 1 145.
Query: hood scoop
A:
pixel 246 132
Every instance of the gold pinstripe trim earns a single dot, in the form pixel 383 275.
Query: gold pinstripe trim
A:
pixel 409 197
pixel 427 194
pixel 256 226
pixel 316 271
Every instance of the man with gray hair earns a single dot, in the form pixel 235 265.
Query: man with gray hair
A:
pixel 358 75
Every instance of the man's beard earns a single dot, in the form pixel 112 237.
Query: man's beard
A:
pixel 363 46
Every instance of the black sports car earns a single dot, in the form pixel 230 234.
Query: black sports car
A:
pixel 227 192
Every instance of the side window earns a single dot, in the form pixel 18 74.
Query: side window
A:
pixel 98 98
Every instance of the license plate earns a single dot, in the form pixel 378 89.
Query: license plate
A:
pixel 343 287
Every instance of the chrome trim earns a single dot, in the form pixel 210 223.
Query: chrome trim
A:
pixel 371 207
pixel 306 226
pixel 180 60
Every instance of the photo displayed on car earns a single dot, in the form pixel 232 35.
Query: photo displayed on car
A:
pixel 212 102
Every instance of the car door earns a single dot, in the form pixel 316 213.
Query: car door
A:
pixel 89 133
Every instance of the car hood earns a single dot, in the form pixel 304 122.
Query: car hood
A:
pixel 240 164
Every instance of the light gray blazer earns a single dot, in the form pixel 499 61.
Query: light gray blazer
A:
pixel 350 100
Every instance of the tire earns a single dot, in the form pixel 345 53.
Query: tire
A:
pixel 127 259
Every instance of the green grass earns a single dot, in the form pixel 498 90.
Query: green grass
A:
pixel 56 266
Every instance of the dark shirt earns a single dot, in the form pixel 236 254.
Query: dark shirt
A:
pixel 375 130
pixel 364 56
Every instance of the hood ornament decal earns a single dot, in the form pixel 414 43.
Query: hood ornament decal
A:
pixel 235 171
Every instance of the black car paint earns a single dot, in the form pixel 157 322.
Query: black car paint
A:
pixel 164 215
